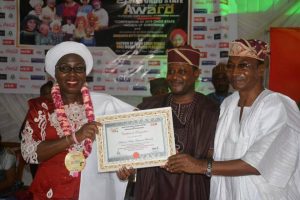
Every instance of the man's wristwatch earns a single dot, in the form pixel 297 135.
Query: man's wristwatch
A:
pixel 209 167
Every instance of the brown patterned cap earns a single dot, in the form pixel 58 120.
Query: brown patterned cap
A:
pixel 184 54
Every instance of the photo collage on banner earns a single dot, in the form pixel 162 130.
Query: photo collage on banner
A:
pixel 128 40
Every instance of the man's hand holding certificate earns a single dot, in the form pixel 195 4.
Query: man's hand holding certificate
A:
pixel 136 139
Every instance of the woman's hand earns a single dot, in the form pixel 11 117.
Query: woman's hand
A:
pixel 124 173
pixel 88 130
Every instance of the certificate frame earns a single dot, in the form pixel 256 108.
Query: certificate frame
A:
pixel 149 133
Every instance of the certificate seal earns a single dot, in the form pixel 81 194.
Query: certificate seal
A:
pixel 135 155
pixel 75 161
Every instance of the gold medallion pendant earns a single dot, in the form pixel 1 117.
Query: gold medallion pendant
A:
pixel 75 162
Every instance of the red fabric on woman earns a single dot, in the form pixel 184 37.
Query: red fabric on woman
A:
pixel 48 181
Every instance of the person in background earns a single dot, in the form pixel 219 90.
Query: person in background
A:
pixel 194 117
pixel 159 86
pixel 85 8
pixel 59 131
pixel 68 30
pixel 178 37
pixel 49 12
pixel 92 22
pixel 45 90
pixel 29 29
pixel 257 151
pixel 37 8
pixel 101 14
pixel 220 82
pixel 43 37
pixel 89 39
pixel 56 33
pixel 100 24
pixel 8 172
pixel 67 9
pixel 81 25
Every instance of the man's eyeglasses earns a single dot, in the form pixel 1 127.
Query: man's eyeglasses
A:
pixel 68 69
pixel 241 66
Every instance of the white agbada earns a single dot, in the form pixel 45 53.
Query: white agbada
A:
pixel 267 138
pixel 95 185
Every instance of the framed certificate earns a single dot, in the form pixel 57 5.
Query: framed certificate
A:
pixel 135 139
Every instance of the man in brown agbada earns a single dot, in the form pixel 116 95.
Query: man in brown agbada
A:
pixel 195 117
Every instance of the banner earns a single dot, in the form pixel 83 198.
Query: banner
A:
pixel 212 27
pixel 285 64
pixel 122 25
pixel 128 40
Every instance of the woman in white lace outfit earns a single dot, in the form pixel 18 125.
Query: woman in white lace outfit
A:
pixel 59 131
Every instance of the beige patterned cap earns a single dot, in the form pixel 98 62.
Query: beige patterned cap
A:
pixel 249 48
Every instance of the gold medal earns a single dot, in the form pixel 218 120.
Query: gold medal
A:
pixel 75 161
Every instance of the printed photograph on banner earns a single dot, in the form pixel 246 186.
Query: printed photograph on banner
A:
pixel 138 27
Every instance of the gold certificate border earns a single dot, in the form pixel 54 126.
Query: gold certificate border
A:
pixel 104 166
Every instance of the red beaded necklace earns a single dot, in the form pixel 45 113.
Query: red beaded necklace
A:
pixel 63 119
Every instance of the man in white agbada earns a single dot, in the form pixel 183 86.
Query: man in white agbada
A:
pixel 93 184
pixel 257 142
pixel 65 123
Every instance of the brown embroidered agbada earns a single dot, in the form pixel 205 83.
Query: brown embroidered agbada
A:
pixel 194 126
